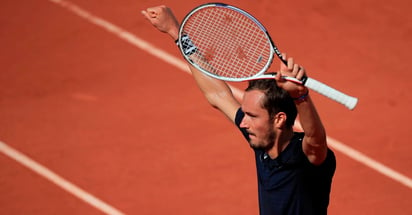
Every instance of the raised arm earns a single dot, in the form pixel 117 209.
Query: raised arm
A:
pixel 217 92
pixel 314 142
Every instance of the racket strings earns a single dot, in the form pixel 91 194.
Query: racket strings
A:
pixel 229 42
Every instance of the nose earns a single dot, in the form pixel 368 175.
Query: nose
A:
pixel 243 123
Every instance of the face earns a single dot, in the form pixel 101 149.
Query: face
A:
pixel 256 121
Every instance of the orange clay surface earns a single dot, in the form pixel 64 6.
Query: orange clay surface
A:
pixel 135 132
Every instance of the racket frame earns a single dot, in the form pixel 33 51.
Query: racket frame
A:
pixel 273 49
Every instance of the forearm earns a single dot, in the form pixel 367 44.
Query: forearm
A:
pixel 212 88
pixel 314 145
pixel 309 118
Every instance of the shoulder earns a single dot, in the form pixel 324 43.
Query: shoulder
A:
pixel 298 141
pixel 239 116
pixel 238 119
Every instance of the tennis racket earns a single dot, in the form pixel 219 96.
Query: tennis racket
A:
pixel 229 44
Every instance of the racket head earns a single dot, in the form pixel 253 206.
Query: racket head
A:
pixel 230 43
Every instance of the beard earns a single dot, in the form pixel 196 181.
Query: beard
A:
pixel 265 143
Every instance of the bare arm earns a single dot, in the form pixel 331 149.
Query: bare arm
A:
pixel 217 92
pixel 314 142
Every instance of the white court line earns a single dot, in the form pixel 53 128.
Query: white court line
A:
pixel 180 64
pixel 362 158
pixel 58 180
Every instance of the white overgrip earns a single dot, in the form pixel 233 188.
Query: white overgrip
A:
pixel 349 101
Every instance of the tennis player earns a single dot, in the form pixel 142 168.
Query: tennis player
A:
pixel 294 169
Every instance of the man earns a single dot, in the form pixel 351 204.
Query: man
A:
pixel 294 169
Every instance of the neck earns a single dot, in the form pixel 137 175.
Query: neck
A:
pixel 281 141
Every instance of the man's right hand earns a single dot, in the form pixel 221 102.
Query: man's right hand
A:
pixel 163 19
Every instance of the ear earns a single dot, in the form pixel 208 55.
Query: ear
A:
pixel 280 120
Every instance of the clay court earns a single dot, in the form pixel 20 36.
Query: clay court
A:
pixel 99 114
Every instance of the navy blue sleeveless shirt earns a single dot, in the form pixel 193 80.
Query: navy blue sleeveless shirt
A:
pixel 290 184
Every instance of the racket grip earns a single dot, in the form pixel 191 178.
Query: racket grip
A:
pixel 349 101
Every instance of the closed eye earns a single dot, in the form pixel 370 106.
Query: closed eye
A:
pixel 251 115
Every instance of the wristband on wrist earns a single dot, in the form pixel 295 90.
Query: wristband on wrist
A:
pixel 302 97
pixel 187 45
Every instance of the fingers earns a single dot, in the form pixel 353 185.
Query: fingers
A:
pixel 301 73
pixel 152 12
pixel 149 14
pixel 285 59
pixel 278 76
pixel 145 14
pixel 163 19
pixel 291 69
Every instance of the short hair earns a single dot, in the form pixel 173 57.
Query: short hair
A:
pixel 276 99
